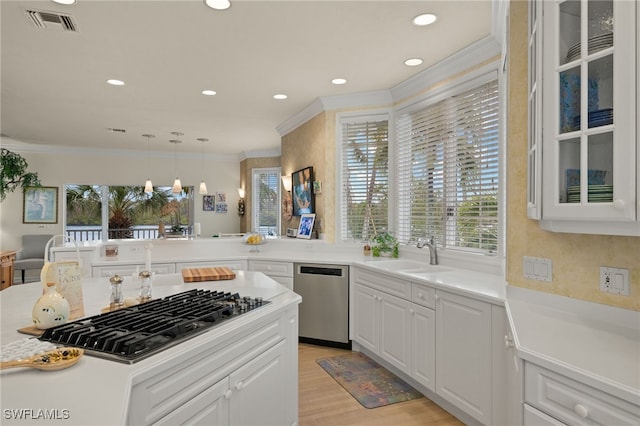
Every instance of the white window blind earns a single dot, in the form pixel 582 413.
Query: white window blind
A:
pixel 365 177
pixel 448 171
pixel 266 201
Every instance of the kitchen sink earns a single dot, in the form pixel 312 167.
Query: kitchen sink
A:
pixel 396 265
pixel 425 270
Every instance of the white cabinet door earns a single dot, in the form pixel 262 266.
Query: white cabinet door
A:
pixel 259 393
pixel 209 408
pixel 127 270
pixel 395 330
pixel 589 116
pixel 423 340
pixel 463 354
pixel 365 317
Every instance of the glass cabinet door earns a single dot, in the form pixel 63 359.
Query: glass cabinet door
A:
pixel 589 132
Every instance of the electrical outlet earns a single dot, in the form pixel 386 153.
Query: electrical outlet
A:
pixel 536 268
pixel 614 280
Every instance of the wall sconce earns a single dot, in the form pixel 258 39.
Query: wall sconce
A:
pixel 287 202
pixel 241 201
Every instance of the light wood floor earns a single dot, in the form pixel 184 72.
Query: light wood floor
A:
pixel 323 402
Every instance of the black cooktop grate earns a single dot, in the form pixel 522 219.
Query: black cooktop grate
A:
pixel 134 333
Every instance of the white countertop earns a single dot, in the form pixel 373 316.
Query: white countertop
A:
pixel 595 344
pixel 95 390
pixel 576 338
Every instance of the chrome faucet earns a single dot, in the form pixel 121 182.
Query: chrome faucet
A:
pixel 433 251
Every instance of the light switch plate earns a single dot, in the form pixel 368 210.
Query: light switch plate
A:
pixel 614 280
pixel 536 268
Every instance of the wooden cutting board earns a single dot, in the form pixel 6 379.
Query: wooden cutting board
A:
pixel 193 275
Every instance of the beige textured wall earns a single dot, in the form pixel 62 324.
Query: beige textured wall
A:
pixel 246 168
pixel 576 258
pixel 312 144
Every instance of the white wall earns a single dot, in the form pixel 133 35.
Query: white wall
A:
pixel 60 167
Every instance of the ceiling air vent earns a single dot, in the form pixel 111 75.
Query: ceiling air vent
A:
pixel 51 20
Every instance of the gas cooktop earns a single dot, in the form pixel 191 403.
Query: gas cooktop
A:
pixel 131 334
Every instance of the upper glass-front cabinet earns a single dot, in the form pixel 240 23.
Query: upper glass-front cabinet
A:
pixel 589 110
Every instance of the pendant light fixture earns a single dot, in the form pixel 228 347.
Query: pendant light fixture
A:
pixel 203 186
pixel 177 185
pixel 148 186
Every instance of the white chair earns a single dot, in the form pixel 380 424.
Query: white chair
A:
pixel 31 256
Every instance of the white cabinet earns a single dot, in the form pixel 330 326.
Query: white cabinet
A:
pixel 423 345
pixel 574 403
pixel 583 141
pixel 247 377
pixel 382 324
pixel 463 354
pixel 282 272
pixel 258 390
pixel 246 397
pixel 128 270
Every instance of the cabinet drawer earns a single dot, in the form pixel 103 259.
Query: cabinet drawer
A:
pixel 382 282
pixel 280 269
pixel 236 265
pixel 573 402
pixel 423 295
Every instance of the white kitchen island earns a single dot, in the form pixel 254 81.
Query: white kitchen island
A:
pixel 241 372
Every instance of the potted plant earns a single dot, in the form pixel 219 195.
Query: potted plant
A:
pixel 13 173
pixel 384 244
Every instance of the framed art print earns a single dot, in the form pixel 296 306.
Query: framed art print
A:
pixel 208 203
pixel 40 205
pixel 302 191
pixel 306 225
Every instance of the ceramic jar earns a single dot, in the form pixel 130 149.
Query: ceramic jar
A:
pixel 51 309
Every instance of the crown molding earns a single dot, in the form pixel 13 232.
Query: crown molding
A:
pixel 266 153
pixel 17 146
pixel 481 51
pixel 328 103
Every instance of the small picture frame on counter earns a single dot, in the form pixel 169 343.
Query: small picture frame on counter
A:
pixel 306 225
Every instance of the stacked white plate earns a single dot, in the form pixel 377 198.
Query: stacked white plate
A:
pixel 596 43
pixel 596 194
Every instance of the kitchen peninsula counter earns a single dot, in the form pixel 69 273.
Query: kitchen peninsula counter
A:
pixel 97 391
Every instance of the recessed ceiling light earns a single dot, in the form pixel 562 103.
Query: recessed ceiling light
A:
pixel 64 1
pixel 424 19
pixel 338 81
pixel 413 62
pixel 209 92
pixel 279 96
pixel 218 4
pixel 115 82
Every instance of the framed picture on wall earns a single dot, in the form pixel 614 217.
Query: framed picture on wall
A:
pixel 40 205
pixel 208 203
pixel 302 191
pixel 306 225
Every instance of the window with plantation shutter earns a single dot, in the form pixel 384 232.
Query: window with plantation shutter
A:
pixel 365 176
pixel 266 201
pixel 448 170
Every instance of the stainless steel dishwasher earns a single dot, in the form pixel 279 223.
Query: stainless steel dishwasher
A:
pixel 324 311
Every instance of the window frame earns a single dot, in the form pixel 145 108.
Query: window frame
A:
pixel 255 197
pixel 430 99
pixel 359 117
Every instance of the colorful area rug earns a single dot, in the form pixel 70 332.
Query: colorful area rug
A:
pixel 369 383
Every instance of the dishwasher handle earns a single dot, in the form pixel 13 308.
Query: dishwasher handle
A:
pixel 317 270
